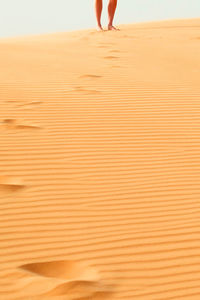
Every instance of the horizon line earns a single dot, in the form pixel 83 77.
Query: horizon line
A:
pixel 92 28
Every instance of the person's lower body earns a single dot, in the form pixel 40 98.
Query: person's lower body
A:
pixel 111 13
pixel 99 7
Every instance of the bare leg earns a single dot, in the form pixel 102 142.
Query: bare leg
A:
pixel 111 13
pixel 98 7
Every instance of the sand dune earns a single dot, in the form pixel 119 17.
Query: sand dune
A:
pixel 100 164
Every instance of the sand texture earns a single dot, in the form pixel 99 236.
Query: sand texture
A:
pixel 100 164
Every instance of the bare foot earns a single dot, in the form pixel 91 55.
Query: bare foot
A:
pixel 111 27
pixel 100 28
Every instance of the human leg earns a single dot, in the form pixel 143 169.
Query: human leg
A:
pixel 111 13
pixel 98 7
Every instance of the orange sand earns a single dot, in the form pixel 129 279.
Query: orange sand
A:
pixel 100 164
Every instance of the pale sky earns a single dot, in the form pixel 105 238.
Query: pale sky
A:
pixel 22 17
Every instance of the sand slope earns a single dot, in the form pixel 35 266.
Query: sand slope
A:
pixel 100 164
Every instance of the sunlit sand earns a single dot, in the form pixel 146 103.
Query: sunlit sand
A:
pixel 99 165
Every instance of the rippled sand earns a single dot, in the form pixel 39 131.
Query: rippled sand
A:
pixel 100 164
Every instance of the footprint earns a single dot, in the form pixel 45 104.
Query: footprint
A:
pixel 13 124
pixel 13 101
pixel 111 57
pixel 30 104
pixel 10 184
pixel 115 51
pixel 9 121
pixel 72 279
pixel 67 270
pixel 90 76
pixel 82 290
pixel 85 91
